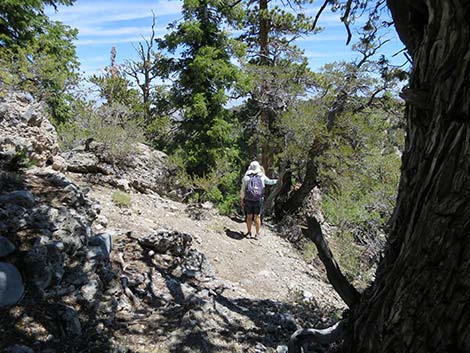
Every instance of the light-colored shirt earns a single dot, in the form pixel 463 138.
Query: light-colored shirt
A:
pixel 264 179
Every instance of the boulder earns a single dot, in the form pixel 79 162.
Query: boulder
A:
pixel 168 242
pixel 6 247
pixel 45 264
pixel 26 130
pixel 21 198
pixel 145 169
pixel 11 284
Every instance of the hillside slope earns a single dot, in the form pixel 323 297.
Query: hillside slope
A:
pixel 258 279
pixel 78 273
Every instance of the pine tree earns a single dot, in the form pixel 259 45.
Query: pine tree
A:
pixel 279 69
pixel 203 77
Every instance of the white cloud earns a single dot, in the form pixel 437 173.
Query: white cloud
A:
pixel 113 40
pixel 87 12
pixel 118 31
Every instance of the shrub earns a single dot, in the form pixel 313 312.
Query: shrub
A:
pixel 114 126
pixel 20 162
pixel 347 253
pixel 121 199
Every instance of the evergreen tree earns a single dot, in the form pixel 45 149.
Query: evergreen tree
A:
pixel 21 21
pixel 203 77
pixel 278 67
pixel 38 55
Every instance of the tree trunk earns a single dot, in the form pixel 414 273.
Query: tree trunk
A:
pixel 420 301
pixel 265 117
pixel 297 197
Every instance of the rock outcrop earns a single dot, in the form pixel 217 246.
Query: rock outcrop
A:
pixel 26 132
pixel 143 169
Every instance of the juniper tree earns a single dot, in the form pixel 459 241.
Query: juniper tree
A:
pixel 419 299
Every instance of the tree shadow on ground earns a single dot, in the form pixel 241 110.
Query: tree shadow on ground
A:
pixel 55 317
pixel 216 323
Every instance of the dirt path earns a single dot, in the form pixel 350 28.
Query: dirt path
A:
pixel 268 268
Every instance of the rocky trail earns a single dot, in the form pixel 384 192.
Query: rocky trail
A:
pixel 266 268
pixel 81 273
pixel 258 289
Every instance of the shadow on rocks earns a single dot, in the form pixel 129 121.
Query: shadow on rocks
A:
pixel 65 304
pixel 188 310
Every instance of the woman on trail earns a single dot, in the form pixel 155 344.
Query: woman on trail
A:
pixel 251 195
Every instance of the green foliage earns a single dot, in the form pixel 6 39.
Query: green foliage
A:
pixel 361 173
pixel 116 89
pixel 22 20
pixel 113 125
pixel 348 255
pixel 45 66
pixel 220 186
pixel 354 142
pixel 20 162
pixel 121 199
pixel 278 70
pixel 207 131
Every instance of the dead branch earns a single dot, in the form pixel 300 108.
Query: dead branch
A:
pixel 339 282
pixel 325 336
pixel 345 20
pixel 322 8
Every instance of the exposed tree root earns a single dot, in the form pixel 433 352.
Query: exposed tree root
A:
pixel 342 286
pixel 325 336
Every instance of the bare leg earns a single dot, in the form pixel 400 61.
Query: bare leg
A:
pixel 257 223
pixel 249 220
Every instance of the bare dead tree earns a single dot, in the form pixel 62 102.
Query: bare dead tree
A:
pixel 145 70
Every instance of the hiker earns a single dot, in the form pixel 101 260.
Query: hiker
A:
pixel 252 195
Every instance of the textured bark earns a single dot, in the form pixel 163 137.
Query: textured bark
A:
pixel 420 301
pixel 278 191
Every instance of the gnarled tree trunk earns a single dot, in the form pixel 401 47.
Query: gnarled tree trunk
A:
pixel 420 301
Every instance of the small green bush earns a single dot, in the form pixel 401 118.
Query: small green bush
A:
pixel 113 126
pixel 309 251
pixel 347 253
pixel 220 187
pixel 121 199
pixel 21 161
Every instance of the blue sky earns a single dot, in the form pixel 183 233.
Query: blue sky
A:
pixel 103 24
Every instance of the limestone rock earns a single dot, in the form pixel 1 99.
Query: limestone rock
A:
pixel 168 242
pixel 21 198
pixel 145 170
pixel 26 129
